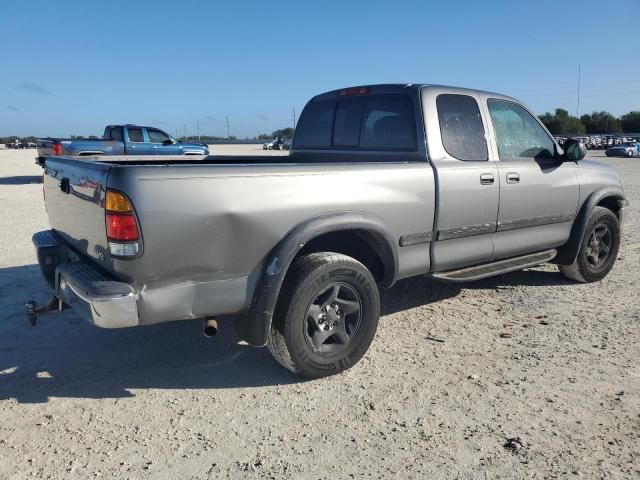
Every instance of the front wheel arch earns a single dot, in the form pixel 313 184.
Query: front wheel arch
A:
pixel 608 197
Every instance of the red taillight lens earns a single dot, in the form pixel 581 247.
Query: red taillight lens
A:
pixel 57 149
pixel 122 228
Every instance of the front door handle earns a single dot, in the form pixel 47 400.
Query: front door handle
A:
pixel 486 179
pixel 513 177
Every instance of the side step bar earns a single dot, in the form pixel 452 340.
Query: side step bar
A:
pixel 496 268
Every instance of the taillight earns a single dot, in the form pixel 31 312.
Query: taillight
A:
pixel 57 149
pixel 123 233
pixel 122 228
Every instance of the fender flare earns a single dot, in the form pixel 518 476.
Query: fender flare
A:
pixel 254 326
pixel 568 253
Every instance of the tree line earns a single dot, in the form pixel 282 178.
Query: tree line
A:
pixel 561 123
pixel 558 123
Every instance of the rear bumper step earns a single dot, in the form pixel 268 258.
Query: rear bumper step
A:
pixel 91 293
pixel 496 268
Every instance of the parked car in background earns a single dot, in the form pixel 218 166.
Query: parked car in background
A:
pixel 275 144
pixel 120 140
pixel 624 150
pixel 383 182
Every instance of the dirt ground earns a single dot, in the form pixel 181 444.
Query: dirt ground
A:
pixel 453 374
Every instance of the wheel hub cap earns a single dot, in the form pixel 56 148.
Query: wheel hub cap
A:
pixel 599 245
pixel 332 318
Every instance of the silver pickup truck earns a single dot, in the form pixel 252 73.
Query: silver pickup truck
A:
pixel 382 183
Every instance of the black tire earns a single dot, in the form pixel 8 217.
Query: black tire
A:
pixel 315 335
pixel 598 250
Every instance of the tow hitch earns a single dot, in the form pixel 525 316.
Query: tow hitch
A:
pixel 33 311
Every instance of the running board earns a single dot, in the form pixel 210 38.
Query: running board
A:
pixel 496 268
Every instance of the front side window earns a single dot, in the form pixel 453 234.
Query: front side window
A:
pixel 518 134
pixel 461 127
pixel 156 136
pixel 135 135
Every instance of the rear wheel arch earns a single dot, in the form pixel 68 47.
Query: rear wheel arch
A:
pixel 313 235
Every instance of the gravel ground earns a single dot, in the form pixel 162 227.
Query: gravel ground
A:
pixel 453 374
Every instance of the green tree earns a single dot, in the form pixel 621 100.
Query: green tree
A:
pixel 631 122
pixel 601 122
pixel 283 133
pixel 264 136
pixel 561 123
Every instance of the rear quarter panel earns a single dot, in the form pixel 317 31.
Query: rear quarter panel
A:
pixel 218 223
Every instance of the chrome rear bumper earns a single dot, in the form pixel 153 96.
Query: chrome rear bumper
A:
pixel 83 286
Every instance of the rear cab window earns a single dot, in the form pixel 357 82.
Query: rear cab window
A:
pixel 384 122
pixel 116 133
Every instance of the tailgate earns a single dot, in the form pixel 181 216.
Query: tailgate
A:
pixel 74 195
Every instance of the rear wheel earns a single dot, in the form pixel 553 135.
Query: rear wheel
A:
pixel 599 248
pixel 630 153
pixel 327 315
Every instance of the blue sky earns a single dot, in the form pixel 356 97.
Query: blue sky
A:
pixel 70 67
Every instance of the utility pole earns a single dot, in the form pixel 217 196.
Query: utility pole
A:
pixel 293 110
pixel 228 136
pixel 578 107
pixel 198 130
pixel 184 130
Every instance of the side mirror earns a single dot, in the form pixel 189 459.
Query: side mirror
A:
pixel 171 141
pixel 574 150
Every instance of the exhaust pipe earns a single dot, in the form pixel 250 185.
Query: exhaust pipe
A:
pixel 209 327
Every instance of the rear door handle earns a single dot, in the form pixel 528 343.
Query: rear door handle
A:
pixel 486 179
pixel 513 177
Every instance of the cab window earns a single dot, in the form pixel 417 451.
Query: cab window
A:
pixel 461 127
pixel 156 136
pixel 135 135
pixel 116 134
pixel 518 134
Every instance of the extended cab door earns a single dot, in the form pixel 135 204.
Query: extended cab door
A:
pixel 538 193
pixel 466 179
pixel 134 141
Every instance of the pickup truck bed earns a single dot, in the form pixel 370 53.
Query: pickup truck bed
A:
pixel 430 181
pixel 173 206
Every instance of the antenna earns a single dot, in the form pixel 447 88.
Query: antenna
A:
pixel 578 107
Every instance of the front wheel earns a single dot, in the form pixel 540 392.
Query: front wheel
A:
pixel 327 315
pixel 598 250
